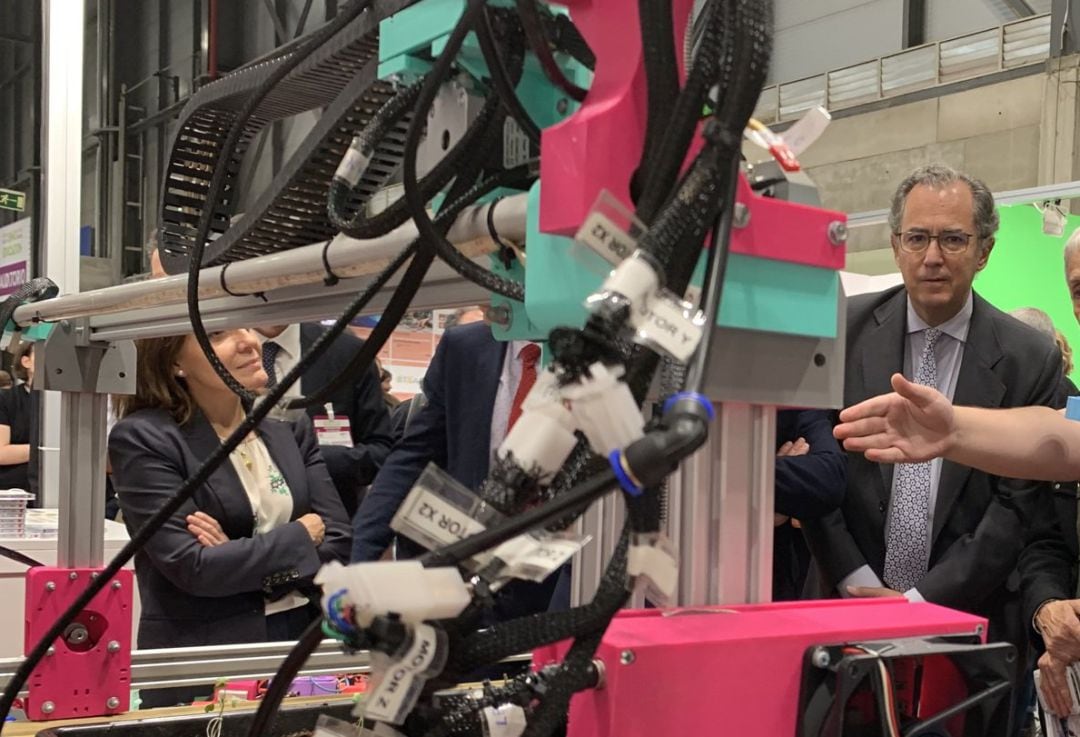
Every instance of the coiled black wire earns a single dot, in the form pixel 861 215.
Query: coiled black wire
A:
pixel 415 196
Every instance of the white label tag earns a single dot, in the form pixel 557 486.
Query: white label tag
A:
pixel 506 721
pixel 807 129
pixel 534 557
pixel 352 167
pixel 652 559
pixel 432 521
pixel 515 145
pixel 333 430
pixel 601 234
pixel 397 692
pixel 671 326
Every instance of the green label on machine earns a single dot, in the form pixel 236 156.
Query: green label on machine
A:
pixel 12 200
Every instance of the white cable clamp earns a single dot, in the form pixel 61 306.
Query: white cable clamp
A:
pixel 403 587
pixel 604 409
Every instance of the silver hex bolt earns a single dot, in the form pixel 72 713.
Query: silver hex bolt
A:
pixel 838 233
pixel 113 646
pixel 742 215
pixel 116 585
pixel 73 576
pixel 820 658
pixel 48 707
pixel 50 586
pixel 627 657
pixel 112 703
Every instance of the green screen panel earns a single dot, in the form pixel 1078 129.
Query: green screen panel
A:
pixel 1026 269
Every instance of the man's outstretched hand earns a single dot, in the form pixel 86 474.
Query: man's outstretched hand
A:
pixel 911 425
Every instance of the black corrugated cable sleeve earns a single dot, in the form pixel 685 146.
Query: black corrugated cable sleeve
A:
pixel 505 77
pixel 365 143
pixel 526 633
pixel 662 82
pixel 531 21
pixel 282 680
pixel 397 213
pixel 711 67
pixel 568 39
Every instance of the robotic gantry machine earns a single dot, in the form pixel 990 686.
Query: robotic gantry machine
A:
pixel 583 167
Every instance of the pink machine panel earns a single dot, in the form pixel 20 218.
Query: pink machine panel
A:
pixel 730 670
pixel 89 671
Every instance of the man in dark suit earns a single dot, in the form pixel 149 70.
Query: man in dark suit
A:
pixel 354 458
pixel 938 531
pixel 473 389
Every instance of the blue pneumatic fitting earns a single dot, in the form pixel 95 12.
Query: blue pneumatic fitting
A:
pixel 627 483
pixel 694 396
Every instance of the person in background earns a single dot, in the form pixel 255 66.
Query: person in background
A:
pixel 474 388
pixel 386 381
pixel 19 422
pixel 235 563
pixel 1064 491
pixel 353 457
pixel 943 532
pixel 810 481
pixel 6 382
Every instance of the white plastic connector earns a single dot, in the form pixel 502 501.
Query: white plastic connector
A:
pixel 605 410
pixel 353 164
pixel 635 278
pixel 404 587
pixel 543 438
pixel 539 444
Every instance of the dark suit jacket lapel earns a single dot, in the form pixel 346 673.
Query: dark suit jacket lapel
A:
pixel 223 483
pixel 883 356
pixel 977 386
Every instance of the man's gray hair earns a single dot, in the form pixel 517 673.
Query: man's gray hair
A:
pixel 1072 246
pixel 1033 317
pixel 938 176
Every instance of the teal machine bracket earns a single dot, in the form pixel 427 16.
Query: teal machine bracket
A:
pixel 759 294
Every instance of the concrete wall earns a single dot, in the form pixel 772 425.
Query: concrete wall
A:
pixel 993 132
pixel 813 37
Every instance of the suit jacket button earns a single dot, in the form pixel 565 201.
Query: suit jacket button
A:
pixel 881 507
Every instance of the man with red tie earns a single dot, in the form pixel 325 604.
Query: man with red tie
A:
pixel 474 387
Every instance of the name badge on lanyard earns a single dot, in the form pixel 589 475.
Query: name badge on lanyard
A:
pixel 333 430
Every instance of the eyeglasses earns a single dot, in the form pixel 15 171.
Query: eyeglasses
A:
pixel 950 241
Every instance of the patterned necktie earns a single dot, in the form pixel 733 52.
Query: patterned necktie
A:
pixel 270 350
pixel 529 356
pixel 907 550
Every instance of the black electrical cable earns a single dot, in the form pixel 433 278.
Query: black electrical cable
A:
pixel 533 24
pixel 18 557
pixel 657 30
pixel 505 85
pixel 283 679
pixel 221 171
pixel 374 343
pixel 713 284
pixel 707 70
pixel 413 194
pixel 365 144
pixel 199 477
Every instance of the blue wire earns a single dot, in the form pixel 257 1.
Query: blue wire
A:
pixel 339 622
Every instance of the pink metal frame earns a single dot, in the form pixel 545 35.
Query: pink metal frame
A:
pixel 87 678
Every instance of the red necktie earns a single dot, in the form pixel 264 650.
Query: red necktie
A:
pixel 529 356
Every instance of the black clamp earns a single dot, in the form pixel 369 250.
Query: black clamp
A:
pixel 330 279
pixel 231 293
pixel 506 251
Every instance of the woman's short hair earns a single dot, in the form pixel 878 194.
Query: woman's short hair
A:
pixel 156 384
